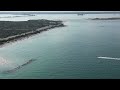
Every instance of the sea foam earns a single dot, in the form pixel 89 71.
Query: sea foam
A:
pixel 5 64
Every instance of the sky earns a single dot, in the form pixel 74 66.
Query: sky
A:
pixel 65 12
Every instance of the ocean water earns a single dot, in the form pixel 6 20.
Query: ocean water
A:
pixel 81 50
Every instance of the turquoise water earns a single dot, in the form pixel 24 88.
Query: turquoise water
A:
pixel 67 52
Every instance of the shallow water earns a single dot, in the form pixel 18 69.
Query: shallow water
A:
pixel 66 52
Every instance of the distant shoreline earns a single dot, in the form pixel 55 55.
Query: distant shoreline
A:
pixel 13 38
pixel 116 18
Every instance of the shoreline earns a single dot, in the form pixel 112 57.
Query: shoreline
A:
pixel 14 38
pixel 114 18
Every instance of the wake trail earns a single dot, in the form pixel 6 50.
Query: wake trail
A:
pixel 110 58
pixel 20 66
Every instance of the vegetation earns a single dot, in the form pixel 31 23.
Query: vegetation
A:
pixel 13 30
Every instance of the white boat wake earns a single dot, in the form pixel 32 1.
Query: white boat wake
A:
pixel 109 58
